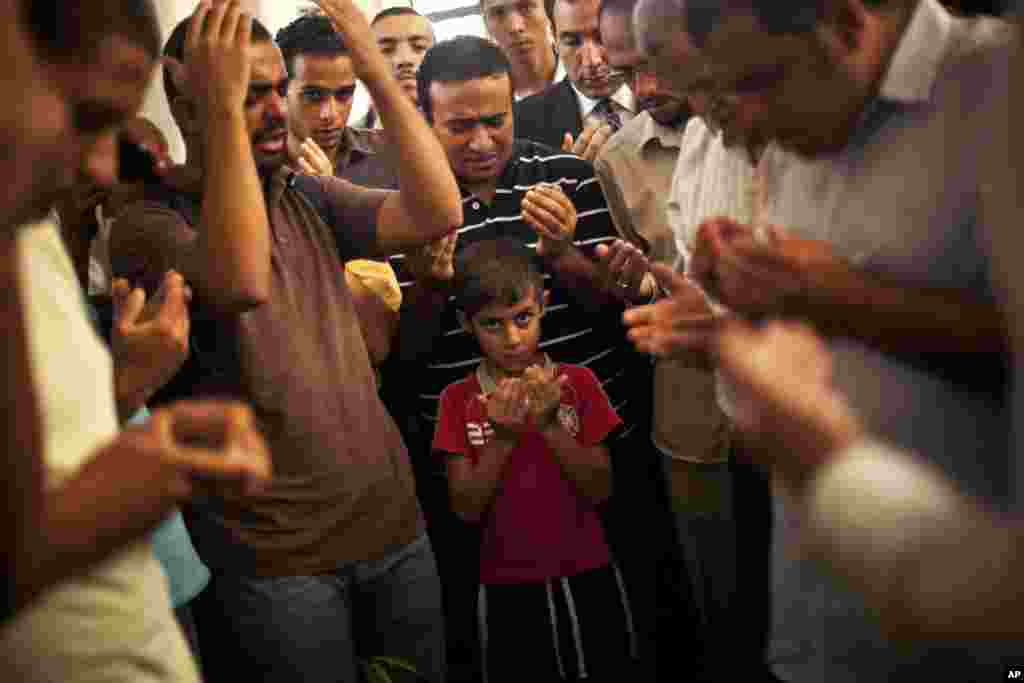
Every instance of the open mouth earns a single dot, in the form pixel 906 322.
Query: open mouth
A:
pixel 272 143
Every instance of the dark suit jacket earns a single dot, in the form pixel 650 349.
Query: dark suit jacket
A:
pixel 547 116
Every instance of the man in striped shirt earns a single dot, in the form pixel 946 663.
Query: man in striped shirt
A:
pixel 553 202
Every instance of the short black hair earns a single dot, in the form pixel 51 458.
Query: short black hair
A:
pixel 501 271
pixel 67 29
pixel 460 59
pixel 175 49
pixel 396 11
pixel 310 34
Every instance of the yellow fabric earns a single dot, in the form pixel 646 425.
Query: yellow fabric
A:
pixel 379 278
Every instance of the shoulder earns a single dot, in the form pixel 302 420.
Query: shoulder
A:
pixel 579 376
pixel 545 99
pixel 979 60
pixel 457 391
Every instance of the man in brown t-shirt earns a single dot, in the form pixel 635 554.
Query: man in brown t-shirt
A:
pixel 334 552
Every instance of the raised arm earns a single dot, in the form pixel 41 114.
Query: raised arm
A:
pixel 229 263
pixel 427 204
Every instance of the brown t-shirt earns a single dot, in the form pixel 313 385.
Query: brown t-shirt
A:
pixel 342 488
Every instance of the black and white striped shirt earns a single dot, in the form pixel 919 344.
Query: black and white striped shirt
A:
pixel 571 333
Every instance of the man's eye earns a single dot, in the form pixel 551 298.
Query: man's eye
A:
pixel 571 41
pixel 313 96
pixel 523 319
pixel 390 49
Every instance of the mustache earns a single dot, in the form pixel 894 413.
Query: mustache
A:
pixel 268 133
pixel 402 74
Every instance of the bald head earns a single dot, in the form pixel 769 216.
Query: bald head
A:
pixel 659 28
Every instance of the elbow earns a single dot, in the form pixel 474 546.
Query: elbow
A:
pixel 249 288
pixel 241 298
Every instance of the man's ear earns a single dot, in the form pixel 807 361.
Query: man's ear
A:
pixel 464 321
pixel 544 300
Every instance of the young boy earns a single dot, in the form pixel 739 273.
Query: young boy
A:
pixel 523 441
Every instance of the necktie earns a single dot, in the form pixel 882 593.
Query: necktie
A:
pixel 606 112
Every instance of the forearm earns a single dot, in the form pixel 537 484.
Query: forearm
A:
pixel 475 485
pixel 428 193
pixel 926 557
pixel 586 466
pixel 22 476
pixel 85 521
pixel 232 258
pixel 899 319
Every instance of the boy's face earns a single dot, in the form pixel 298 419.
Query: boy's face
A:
pixel 509 335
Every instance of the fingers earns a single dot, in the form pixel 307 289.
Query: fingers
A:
pixel 174 307
pixel 232 16
pixel 591 141
pixel 128 304
pixel 567 143
pixel 307 167
pixel 243 33
pixel 195 28
pixel 210 424
pixel 215 19
pixel 669 280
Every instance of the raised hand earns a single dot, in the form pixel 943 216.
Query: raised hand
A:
pixel 215 73
pixel 354 29
pixel 628 269
pixel 214 446
pixel 313 160
pixel 149 338
pixel 552 215
pixel 761 273
pixel 590 142
pixel 434 261
pixel 543 395
pixel 679 324
pixel 508 409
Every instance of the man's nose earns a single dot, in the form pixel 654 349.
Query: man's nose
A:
pixel 592 54
pixel 277 106
pixel 329 109
pixel 515 22
pixel 513 334
pixel 481 139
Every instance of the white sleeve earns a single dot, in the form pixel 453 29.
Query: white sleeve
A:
pixel 926 557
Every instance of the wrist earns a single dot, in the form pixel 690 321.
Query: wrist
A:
pixel 130 393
